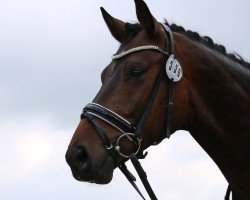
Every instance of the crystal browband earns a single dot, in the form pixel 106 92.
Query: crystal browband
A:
pixel 140 48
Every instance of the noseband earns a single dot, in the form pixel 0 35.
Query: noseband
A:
pixel 93 111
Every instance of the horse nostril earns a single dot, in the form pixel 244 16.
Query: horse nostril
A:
pixel 81 158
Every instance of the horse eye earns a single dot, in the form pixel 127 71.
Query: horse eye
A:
pixel 135 73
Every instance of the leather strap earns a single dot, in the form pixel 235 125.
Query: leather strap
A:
pixel 143 176
pixel 170 108
pixel 227 197
pixel 130 178
pixel 109 116
pixel 150 99
pixel 99 130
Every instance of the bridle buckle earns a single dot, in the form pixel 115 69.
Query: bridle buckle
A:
pixel 109 147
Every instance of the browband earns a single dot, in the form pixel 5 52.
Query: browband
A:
pixel 140 48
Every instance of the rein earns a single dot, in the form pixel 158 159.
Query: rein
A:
pixel 94 111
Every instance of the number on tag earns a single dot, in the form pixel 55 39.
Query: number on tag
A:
pixel 173 69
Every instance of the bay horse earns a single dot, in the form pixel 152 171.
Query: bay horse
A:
pixel 162 79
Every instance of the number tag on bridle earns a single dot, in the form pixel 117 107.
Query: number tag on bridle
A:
pixel 173 69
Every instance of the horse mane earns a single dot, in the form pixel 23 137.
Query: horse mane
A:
pixel 133 29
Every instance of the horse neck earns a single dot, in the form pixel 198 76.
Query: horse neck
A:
pixel 219 107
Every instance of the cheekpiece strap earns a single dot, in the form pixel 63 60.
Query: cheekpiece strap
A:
pixel 169 32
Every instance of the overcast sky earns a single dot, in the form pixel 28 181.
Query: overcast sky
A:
pixel 51 55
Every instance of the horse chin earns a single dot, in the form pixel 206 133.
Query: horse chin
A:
pixel 98 175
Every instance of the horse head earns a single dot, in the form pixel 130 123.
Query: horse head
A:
pixel 127 85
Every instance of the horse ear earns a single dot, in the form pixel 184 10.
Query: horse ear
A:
pixel 116 26
pixel 145 17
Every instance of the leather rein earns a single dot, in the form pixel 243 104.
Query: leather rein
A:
pixel 94 111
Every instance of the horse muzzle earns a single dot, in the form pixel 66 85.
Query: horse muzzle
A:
pixel 85 169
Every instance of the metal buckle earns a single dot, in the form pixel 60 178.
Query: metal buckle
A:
pixel 109 147
pixel 136 141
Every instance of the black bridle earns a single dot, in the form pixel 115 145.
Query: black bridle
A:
pixel 94 111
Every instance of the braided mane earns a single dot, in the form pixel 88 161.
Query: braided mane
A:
pixel 133 29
